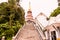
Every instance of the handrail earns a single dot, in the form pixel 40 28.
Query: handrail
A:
pixel 40 25
pixel 39 28
pixel 38 32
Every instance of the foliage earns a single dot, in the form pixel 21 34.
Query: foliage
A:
pixel 7 31
pixel 11 19
pixel 13 2
pixel 55 12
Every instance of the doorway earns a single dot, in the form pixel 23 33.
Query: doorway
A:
pixel 53 35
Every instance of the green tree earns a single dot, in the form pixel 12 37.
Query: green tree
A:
pixel 11 19
pixel 12 2
pixel 55 12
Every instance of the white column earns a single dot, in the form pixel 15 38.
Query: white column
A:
pixel 58 34
pixel 46 35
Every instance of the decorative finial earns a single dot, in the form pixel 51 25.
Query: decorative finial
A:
pixel 29 5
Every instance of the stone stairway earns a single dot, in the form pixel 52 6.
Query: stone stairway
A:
pixel 28 32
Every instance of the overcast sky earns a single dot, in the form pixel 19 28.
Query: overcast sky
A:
pixel 37 6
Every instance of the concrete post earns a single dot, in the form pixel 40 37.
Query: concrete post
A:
pixel 13 38
pixel 3 38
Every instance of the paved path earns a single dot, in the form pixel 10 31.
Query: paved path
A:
pixel 28 33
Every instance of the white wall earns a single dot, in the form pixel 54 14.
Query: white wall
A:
pixel 42 19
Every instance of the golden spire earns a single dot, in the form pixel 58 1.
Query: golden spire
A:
pixel 29 6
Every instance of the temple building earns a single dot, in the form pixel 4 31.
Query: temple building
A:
pixel 51 26
pixel 52 30
pixel 30 30
pixel 40 28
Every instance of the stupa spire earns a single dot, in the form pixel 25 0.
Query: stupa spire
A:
pixel 29 13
